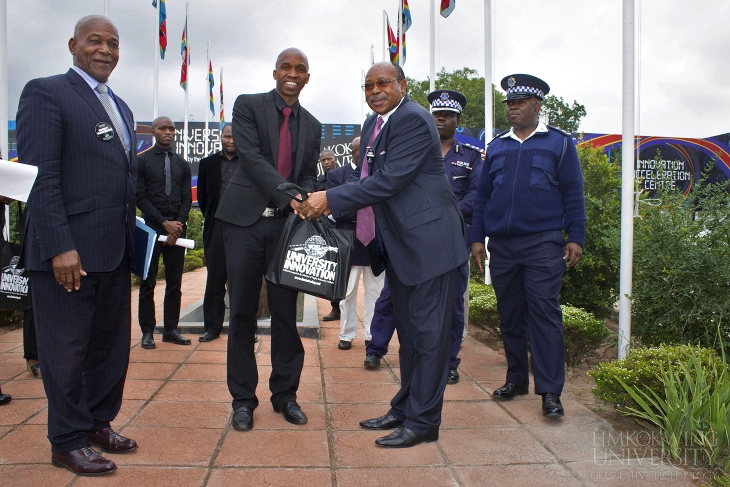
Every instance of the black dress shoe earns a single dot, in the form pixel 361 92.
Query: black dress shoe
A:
pixel 401 438
pixel 242 418
pixel 208 336
pixel 292 413
pixel 385 422
pixel 551 406
pixel 333 316
pixel 5 398
pixel 372 361
pixel 34 368
pixel 83 461
pixel 147 340
pixel 453 376
pixel 175 337
pixel 509 390
pixel 108 440
pixel 344 345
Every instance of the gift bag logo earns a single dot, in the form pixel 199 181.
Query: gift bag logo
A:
pixel 316 247
pixel 11 280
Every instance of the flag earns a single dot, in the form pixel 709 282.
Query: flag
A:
pixel 163 27
pixel 211 82
pixel 406 15
pixel 392 42
pixel 223 117
pixel 184 52
pixel 447 6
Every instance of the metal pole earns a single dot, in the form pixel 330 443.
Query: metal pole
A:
pixel 106 8
pixel 187 85
pixel 627 180
pixel 432 76
pixel 206 132
pixel 488 96
pixel 400 33
pixel 385 36
pixel 156 74
pixel 4 79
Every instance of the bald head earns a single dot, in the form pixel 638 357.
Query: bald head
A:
pixel 161 121
pixel 83 21
pixel 291 51
pixel 95 46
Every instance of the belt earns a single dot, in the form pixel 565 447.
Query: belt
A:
pixel 275 212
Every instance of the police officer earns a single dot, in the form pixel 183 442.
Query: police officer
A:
pixel 463 165
pixel 531 190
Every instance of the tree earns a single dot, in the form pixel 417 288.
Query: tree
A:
pixel 560 114
pixel 468 82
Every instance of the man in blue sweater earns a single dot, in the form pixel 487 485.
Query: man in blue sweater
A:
pixel 530 191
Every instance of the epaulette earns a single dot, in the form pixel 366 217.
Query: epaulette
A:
pixel 473 147
pixel 498 136
pixel 559 130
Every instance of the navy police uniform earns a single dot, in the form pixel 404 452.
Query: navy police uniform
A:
pixel 530 191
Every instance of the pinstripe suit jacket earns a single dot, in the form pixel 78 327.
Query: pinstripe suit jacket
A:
pixel 84 196
pixel 416 215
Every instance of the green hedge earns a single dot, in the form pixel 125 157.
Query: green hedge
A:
pixel 641 368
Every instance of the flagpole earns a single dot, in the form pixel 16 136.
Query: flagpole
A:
pixel 4 81
pixel 627 181
pixel 385 36
pixel 106 8
pixel 156 74
pixel 400 33
pixel 432 83
pixel 488 97
pixel 187 83
pixel 206 132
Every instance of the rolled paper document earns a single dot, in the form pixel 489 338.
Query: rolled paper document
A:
pixel 181 242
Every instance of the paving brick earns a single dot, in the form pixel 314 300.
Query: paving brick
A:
pixel 272 448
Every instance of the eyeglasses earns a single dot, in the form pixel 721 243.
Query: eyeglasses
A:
pixel 382 83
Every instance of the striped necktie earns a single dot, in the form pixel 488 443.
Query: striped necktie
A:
pixel 106 101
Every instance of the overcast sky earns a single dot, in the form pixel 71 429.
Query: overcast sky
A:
pixel 574 45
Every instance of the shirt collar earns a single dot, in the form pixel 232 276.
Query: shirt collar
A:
pixel 280 103
pixel 541 128
pixel 159 150
pixel 353 164
pixel 387 115
pixel 89 80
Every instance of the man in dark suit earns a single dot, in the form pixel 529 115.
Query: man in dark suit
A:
pixel 277 141
pixel 164 197
pixel 417 237
pixel 214 176
pixel 79 244
pixel 328 162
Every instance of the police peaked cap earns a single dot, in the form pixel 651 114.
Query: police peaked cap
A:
pixel 446 101
pixel 519 86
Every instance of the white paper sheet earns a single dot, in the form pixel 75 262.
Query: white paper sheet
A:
pixel 181 242
pixel 16 180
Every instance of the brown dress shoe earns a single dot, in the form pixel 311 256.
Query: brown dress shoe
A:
pixel 83 461
pixel 111 442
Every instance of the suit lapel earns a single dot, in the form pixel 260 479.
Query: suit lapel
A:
pixel 272 124
pixel 85 92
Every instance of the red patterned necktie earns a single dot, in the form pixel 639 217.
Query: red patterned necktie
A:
pixel 283 164
pixel 365 229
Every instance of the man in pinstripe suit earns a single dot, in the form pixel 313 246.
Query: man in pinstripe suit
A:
pixel 78 244
pixel 417 237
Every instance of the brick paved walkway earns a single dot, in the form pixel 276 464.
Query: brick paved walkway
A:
pixel 177 406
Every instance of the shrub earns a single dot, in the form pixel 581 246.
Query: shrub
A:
pixel 681 277
pixel 641 368
pixel 195 227
pixel 583 333
pixel 483 306
pixel 593 283
pixel 194 259
pixel 690 408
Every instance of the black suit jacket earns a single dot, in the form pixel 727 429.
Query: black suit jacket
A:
pixel 256 135
pixel 84 196
pixel 209 186
pixel 416 215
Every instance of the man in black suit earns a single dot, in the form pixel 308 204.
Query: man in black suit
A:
pixel 214 176
pixel 329 162
pixel 410 221
pixel 164 197
pixel 78 244
pixel 277 141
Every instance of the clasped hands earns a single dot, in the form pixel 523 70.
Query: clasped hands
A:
pixel 311 208
pixel 173 229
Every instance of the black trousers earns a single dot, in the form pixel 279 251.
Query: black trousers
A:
pixel 174 259
pixel 214 300
pixel 423 320
pixel 83 339
pixel 249 251
pixel 30 343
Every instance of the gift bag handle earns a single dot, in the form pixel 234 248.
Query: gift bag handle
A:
pixel 291 189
